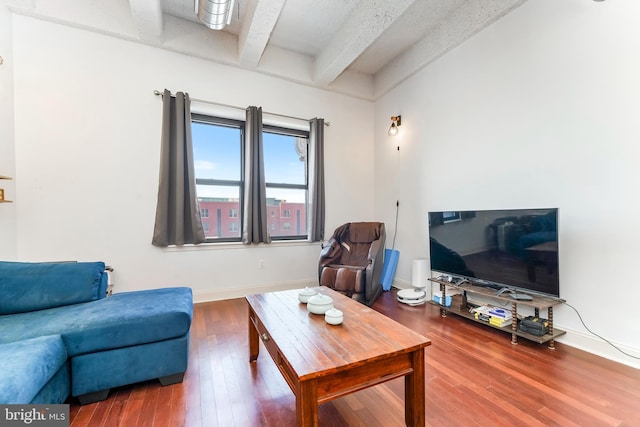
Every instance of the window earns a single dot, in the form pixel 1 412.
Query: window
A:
pixel 217 153
pixel 285 164
pixel 219 168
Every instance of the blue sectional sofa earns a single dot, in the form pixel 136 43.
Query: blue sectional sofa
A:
pixel 61 336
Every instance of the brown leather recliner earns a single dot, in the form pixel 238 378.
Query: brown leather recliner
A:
pixel 352 259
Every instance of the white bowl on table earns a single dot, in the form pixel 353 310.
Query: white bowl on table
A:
pixel 305 294
pixel 333 316
pixel 319 304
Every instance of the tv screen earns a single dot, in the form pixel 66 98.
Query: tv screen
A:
pixel 514 248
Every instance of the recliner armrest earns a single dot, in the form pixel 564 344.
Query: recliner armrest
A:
pixel 374 274
pixel 330 251
pixel 375 250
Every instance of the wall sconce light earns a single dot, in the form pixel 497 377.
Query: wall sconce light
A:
pixel 395 122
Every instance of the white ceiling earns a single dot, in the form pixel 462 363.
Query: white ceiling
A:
pixel 360 47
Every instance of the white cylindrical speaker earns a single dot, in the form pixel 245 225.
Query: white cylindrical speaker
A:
pixel 420 273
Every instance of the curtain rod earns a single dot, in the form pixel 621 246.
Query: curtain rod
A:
pixel 157 92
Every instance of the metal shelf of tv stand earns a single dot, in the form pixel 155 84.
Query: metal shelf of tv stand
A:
pixel 537 302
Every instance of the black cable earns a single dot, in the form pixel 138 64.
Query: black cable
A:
pixel 602 338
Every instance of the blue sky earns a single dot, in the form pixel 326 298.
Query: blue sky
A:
pixel 217 155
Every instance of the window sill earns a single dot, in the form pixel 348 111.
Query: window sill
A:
pixel 237 245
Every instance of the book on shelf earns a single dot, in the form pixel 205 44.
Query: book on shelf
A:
pixel 500 312
pixel 499 322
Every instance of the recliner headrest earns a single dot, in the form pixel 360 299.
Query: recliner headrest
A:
pixel 364 232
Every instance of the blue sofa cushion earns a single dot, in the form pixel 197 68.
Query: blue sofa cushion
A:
pixel 122 320
pixel 26 286
pixel 27 366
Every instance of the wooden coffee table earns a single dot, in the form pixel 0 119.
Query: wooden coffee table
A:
pixel 321 362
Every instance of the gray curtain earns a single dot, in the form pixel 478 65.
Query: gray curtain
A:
pixel 178 219
pixel 316 177
pixel 254 216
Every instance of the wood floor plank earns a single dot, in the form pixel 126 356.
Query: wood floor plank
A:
pixel 221 394
pixel 120 399
pixel 177 415
pixel 82 417
pixel 193 400
pixel 134 405
pixel 474 376
pixel 162 417
pixel 101 413
pixel 208 408
pixel 149 403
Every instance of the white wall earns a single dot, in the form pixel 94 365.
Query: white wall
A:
pixel 8 246
pixel 538 110
pixel 87 155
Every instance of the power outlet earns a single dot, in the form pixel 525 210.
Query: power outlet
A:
pixel 261 264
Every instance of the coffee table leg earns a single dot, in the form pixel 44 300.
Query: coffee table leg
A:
pixel 254 341
pixel 307 404
pixel 414 392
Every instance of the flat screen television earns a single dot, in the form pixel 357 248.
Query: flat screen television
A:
pixel 513 248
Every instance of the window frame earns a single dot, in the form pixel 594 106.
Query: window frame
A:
pixel 237 124
pixel 210 119
pixel 298 133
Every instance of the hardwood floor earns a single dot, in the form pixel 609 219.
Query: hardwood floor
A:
pixel 474 376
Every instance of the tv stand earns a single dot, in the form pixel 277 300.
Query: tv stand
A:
pixel 537 302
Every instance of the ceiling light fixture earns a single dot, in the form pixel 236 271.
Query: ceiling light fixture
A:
pixel 215 14
pixel 395 122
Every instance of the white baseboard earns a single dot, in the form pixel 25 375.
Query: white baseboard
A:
pixel 401 284
pixel 229 293
pixel 594 345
